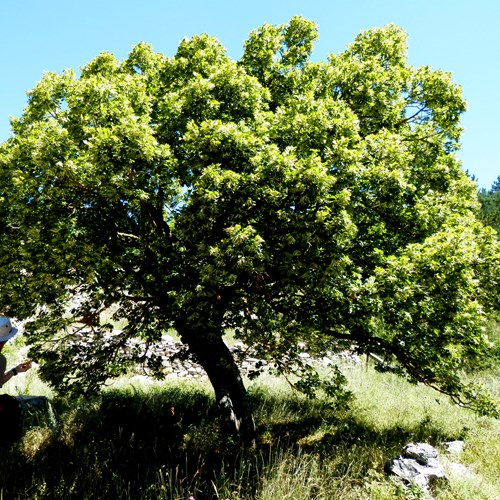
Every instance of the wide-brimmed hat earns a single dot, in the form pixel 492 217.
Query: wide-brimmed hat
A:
pixel 7 331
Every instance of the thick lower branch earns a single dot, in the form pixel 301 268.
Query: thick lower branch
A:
pixel 377 344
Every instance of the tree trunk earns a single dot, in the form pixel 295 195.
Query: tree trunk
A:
pixel 214 356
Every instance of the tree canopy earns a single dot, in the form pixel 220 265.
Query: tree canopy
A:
pixel 291 201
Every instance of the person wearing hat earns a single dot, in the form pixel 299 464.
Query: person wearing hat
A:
pixel 7 331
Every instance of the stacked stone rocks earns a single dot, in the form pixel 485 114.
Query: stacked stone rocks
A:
pixel 177 362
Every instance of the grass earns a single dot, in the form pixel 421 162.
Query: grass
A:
pixel 161 441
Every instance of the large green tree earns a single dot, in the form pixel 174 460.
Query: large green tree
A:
pixel 291 201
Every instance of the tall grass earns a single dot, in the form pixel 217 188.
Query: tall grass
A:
pixel 162 441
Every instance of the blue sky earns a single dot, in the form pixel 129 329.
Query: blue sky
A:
pixel 460 36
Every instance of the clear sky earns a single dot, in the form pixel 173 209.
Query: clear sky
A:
pixel 460 36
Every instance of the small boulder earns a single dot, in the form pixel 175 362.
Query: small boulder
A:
pixel 423 453
pixel 418 464
pixel 454 447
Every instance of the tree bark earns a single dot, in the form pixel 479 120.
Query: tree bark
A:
pixel 214 356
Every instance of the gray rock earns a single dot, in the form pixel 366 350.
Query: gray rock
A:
pixel 460 471
pixel 454 447
pixel 418 464
pixel 423 453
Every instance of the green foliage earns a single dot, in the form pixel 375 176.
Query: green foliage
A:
pixel 491 360
pixel 310 382
pixel 490 206
pixel 288 200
